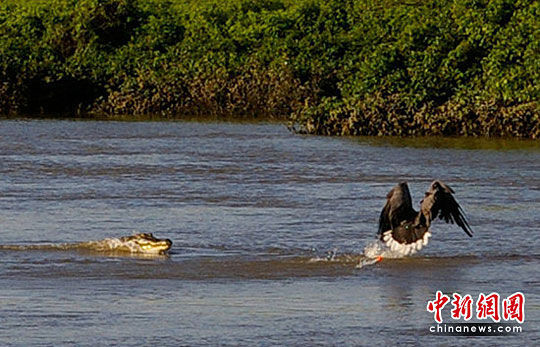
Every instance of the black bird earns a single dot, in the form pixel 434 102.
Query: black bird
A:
pixel 405 230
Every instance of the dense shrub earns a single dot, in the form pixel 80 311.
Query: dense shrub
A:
pixel 335 67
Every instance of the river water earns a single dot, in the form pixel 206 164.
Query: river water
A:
pixel 254 213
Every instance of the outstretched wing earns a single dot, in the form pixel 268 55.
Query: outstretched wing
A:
pixel 397 209
pixel 439 201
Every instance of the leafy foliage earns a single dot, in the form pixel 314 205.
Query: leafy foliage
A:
pixel 337 67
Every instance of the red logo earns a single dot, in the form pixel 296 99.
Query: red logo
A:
pixel 514 307
pixel 437 305
pixel 487 306
pixel 462 306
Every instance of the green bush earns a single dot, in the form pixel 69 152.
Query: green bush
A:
pixel 335 67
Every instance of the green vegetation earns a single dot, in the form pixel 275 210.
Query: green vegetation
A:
pixel 332 67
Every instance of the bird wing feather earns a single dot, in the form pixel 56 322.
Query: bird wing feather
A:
pixel 439 201
pixel 398 208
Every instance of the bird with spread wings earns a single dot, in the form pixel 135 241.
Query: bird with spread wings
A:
pixel 405 230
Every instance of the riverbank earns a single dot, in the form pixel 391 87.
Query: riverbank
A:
pixel 327 67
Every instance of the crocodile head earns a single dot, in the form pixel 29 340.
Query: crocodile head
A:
pixel 148 243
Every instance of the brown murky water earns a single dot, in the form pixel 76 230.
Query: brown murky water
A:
pixel 253 212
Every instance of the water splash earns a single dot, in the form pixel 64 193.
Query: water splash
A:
pixel 114 245
pixel 375 251
pixel 330 256
pixel 135 244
